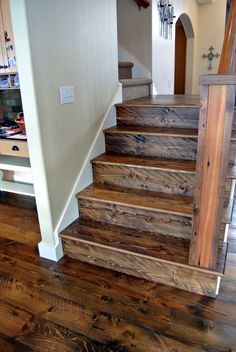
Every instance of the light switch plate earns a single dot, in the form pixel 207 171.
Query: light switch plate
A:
pixel 67 94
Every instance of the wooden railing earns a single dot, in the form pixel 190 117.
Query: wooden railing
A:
pixel 214 134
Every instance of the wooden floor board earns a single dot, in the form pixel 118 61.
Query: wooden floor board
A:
pixel 73 306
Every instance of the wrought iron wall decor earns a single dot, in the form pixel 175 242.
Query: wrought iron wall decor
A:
pixel 210 56
pixel 166 11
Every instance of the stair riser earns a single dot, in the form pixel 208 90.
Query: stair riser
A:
pixel 168 273
pixel 134 92
pixel 228 189
pixel 125 72
pixel 158 117
pixel 232 153
pixel 140 219
pixel 145 178
pixel 155 146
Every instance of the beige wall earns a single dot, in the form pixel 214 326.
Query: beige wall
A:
pixel 211 32
pixel 134 31
pixel 61 42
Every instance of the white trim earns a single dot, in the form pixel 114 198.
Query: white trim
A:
pixel 51 252
pixel 218 285
pixel 226 232
pixel 70 211
pixel 232 189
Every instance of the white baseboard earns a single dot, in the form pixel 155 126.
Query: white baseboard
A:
pixel 51 252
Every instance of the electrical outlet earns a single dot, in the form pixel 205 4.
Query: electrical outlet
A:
pixel 67 94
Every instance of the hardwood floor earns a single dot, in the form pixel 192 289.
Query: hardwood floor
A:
pixel 73 306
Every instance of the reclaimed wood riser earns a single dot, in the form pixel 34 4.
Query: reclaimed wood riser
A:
pixel 168 273
pixel 177 117
pixel 232 153
pixel 145 178
pixel 140 219
pixel 155 146
pixel 158 117
pixel 228 189
pixel 138 176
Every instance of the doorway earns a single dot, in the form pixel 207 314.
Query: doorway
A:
pixel 184 55
pixel 180 58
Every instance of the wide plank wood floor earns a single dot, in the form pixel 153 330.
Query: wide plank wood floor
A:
pixel 72 306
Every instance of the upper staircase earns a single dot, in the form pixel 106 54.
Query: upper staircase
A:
pixel 161 200
pixel 132 88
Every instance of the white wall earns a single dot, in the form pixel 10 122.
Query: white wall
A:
pixel 60 42
pixel 134 36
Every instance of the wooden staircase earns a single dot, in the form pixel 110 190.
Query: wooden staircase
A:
pixel 137 215
pixel 160 200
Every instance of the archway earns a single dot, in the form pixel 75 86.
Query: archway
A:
pixel 184 51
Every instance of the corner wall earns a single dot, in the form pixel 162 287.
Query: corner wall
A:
pixel 60 42
pixel 134 36
pixel 208 23
pixel 163 51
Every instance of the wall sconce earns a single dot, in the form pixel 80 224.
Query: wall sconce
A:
pixel 166 11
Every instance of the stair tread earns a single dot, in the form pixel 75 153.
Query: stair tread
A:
pixel 164 101
pixel 132 82
pixel 125 64
pixel 188 166
pixel 154 201
pixel 153 131
pixel 145 243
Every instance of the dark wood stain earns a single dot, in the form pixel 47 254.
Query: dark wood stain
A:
pixel 74 306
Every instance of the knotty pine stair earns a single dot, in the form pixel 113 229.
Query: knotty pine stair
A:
pixel 136 217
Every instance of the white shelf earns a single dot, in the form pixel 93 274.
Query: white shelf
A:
pixel 14 163
pixel 19 188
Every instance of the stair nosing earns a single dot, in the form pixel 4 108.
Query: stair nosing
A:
pixel 150 132
pixel 140 166
pixel 81 196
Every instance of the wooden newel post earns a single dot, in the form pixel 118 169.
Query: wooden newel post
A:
pixel 215 123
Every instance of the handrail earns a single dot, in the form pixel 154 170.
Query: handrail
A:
pixel 214 134
pixel 227 64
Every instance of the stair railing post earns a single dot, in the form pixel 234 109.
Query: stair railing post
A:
pixel 214 134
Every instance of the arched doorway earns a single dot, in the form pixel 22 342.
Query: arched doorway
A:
pixel 184 46
pixel 180 57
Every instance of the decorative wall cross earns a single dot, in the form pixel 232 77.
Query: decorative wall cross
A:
pixel 210 56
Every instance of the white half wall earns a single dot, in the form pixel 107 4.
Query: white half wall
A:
pixel 85 176
pixel 60 43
